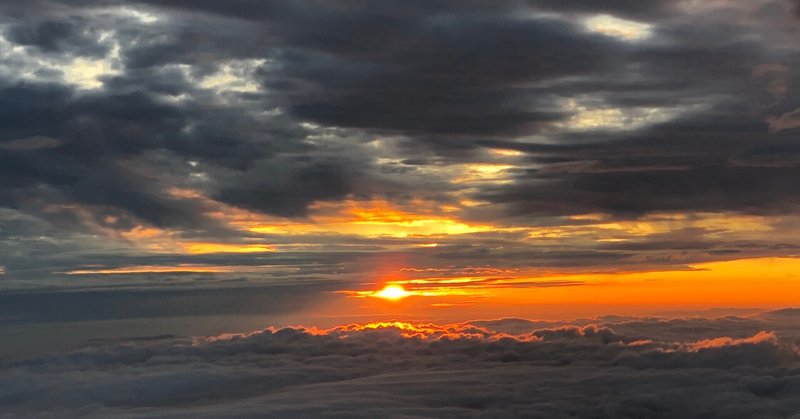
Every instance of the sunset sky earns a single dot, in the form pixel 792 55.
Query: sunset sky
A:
pixel 187 168
pixel 488 159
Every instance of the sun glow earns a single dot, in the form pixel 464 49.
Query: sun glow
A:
pixel 392 292
pixel 626 30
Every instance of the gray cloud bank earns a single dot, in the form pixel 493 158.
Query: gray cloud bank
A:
pixel 610 367
pixel 106 106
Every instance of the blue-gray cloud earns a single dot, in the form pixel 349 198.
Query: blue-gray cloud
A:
pixel 612 367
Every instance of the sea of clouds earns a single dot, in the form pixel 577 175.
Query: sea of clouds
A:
pixel 609 367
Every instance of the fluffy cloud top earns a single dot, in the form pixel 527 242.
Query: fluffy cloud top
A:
pixel 615 367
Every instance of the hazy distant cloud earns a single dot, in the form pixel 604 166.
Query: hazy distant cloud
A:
pixel 187 295
pixel 728 367
pixel 36 142
pixel 789 120
pixel 777 76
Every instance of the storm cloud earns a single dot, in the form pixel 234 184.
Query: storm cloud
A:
pixel 446 78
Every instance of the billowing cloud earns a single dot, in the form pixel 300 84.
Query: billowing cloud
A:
pixel 615 367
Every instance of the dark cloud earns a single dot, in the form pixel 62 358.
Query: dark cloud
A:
pixel 85 165
pixel 58 36
pixel 455 77
pixel 713 189
pixel 709 162
pixel 446 77
pixel 287 187
pixel 432 69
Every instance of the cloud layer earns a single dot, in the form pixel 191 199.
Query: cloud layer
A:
pixel 607 367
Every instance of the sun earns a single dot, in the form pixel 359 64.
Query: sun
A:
pixel 392 292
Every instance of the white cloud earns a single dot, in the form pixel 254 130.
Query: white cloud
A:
pixel 140 15
pixel 86 74
pixel 594 116
pixel 21 63
pixel 234 76
pixel 626 30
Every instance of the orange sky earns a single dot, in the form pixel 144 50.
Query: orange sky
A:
pixel 407 238
pixel 750 283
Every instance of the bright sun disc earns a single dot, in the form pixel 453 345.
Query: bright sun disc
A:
pixel 392 292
